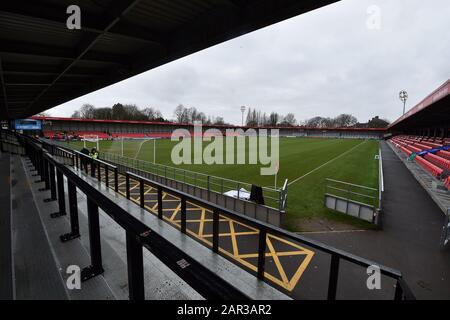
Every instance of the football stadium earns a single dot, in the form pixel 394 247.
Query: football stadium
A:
pixel 119 203
pixel 302 154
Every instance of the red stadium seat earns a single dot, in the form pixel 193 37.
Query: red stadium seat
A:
pixel 413 149
pixel 433 169
pixel 49 134
pixel 101 135
pixel 447 183
pixel 408 153
pixel 432 144
pixel 444 154
pixel 439 161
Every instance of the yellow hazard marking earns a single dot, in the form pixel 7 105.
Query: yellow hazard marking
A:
pixel 202 223
pixel 293 249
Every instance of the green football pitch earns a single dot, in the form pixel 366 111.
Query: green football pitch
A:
pixel 305 162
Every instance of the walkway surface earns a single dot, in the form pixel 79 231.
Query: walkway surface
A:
pixel 409 241
pixel 35 273
pixel 237 241
pixel 432 186
pixel 6 283
pixel 293 268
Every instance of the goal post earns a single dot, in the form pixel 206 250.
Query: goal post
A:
pixel 91 138
pixel 141 146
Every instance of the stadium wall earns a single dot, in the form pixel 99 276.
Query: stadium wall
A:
pixel 52 126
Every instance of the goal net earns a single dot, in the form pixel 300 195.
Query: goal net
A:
pixel 91 141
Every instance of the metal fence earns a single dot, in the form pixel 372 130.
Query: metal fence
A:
pixel 402 290
pixel 9 143
pixel 353 192
pixel 274 198
pixel 139 235
pixel 353 199
pixel 380 180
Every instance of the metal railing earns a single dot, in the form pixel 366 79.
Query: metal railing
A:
pixel 9 143
pixel 263 212
pixel 275 198
pixel 380 187
pixel 264 229
pixel 356 200
pixel 91 166
pixel 353 192
pixel 402 290
pixel 138 234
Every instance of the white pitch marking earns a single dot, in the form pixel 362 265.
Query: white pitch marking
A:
pixel 328 162
pixel 140 147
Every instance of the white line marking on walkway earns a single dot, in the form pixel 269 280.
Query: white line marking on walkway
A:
pixel 328 162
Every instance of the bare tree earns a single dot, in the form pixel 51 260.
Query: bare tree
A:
pixel 43 114
pixel 180 113
pixel 87 111
pixel 252 119
pixel 152 114
pixel 218 121
pixel 289 119
pixel 327 123
pixel 103 113
pixel 274 118
pixel 76 114
pixel 314 122
pixel 118 111
pixel 345 120
pixel 376 122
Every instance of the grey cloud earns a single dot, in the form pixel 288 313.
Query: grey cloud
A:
pixel 322 63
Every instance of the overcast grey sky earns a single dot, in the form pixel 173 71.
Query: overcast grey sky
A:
pixel 324 62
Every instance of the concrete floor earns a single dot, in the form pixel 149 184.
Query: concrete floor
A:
pixel 409 241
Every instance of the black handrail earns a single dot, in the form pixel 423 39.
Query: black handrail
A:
pixel 402 290
pixel 9 143
pixel 138 235
pixel 82 160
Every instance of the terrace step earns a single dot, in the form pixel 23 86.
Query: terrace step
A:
pixel 35 273
pixel 6 272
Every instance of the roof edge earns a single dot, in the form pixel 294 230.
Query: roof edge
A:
pixel 205 125
pixel 441 92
